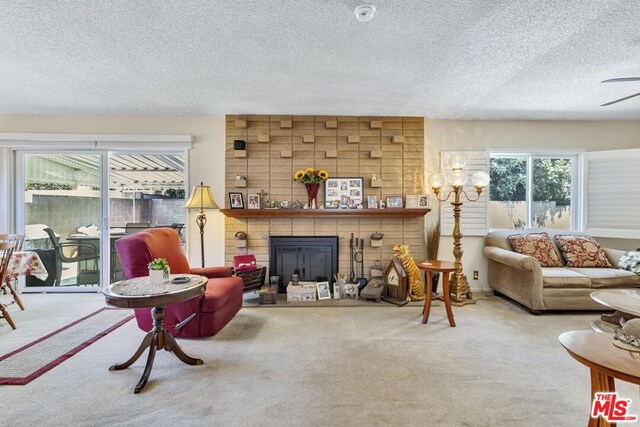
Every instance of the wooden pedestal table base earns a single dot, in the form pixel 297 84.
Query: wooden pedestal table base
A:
pixel 159 338
pixel 137 293
pixel 606 362
pixel 445 268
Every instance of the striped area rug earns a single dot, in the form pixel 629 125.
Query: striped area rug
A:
pixel 27 363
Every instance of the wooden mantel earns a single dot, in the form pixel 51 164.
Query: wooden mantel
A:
pixel 325 213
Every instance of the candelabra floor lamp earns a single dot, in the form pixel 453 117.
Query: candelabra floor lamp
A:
pixel 457 178
pixel 201 199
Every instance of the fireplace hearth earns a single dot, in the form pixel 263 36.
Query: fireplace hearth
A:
pixel 312 258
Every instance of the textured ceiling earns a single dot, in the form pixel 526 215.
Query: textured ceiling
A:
pixel 482 59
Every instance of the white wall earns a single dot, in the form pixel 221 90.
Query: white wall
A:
pixel 521 135
pixel 206 160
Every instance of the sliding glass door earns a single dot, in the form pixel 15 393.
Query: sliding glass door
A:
pixel 60 196
pixel 74 206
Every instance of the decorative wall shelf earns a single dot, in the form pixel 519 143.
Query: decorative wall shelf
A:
pixel 325 213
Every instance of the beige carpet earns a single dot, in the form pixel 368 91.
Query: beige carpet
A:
pixel 364 366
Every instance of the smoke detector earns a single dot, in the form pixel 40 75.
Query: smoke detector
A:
pixel 364 12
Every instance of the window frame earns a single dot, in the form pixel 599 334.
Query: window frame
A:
pixel 576 206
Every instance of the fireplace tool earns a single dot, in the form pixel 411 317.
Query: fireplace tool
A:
pixel 352 274
pixel 358 257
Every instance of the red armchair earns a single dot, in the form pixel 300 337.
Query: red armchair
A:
pixel 202 316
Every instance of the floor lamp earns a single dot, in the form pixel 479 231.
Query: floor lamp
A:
pixel 201 199
pixel 457 178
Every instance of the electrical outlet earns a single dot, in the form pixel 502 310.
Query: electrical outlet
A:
pixel 475 274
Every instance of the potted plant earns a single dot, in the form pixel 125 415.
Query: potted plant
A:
pixel 158 270
pixel 433 245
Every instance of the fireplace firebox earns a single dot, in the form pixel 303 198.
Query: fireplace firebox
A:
pixel 312 258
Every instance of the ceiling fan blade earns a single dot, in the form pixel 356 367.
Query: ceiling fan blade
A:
pixel 621 99
pixel 622 79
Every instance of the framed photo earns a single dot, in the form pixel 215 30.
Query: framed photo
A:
pixel 423 201
pixel 236 201
pixel 411 201
pixel 253 201
pixel 323 290
pixel 345 192
pixel 372 202
pixel 394 202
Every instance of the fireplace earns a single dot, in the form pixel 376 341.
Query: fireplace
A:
pixel 313 258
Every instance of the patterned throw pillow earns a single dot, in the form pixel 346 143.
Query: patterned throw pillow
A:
pixel 537 245
pixel 630 261
pixel 582 251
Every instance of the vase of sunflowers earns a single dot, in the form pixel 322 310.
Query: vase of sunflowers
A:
pixel 311 179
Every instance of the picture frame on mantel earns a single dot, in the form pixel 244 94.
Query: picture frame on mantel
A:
pixel 394 202
pixel 343 192
pixel 236 201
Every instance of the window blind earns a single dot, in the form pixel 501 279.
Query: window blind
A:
pixel 473 218
pixel 613 193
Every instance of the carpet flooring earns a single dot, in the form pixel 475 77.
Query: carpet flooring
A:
pixel 23 365
pixel 338 366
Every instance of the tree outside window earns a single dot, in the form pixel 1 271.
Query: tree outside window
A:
pixel 547 204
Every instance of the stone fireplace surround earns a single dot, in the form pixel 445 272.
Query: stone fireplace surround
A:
pixel 346 146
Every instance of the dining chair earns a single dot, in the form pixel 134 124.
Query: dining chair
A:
pixel 134 227
pixel 82 252
pixel 6 250
pixel 6 284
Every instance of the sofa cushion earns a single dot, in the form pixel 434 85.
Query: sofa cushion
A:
pixel 559 277
pixel 609 277
pixel 582 251
pixel 537 245
pixel 630 261
pixel 220 292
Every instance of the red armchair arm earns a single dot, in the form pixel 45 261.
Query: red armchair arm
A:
pixel 212 272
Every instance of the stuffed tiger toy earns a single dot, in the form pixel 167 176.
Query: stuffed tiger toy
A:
pixel 416 284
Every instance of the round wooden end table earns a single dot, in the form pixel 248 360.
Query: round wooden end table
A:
pixel 606 362
pixel 625 302
pixel 139 293
pixel 446 268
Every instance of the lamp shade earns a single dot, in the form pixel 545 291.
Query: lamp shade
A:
pixel 457 162
pixel 436 181
pixel 480 179
pixel 201 198
pixel 457 178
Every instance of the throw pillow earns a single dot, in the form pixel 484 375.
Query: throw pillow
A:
pixel 630 261
pixel 537 245
pixel 582 251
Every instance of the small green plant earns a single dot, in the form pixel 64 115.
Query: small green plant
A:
pixel 159 264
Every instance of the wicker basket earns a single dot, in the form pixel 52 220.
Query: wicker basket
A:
pixel 253 279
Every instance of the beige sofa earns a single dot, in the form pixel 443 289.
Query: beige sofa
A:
pixel 521 277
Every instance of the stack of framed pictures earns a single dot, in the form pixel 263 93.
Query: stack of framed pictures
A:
pixel 347 192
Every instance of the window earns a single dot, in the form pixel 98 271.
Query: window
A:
pixel 532 190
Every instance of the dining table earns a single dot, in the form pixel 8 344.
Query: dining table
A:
pixel 114 260
pixel 22 263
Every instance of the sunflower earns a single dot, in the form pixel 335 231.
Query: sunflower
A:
pixel 299 174
pixel 308 170
pixel 323 174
